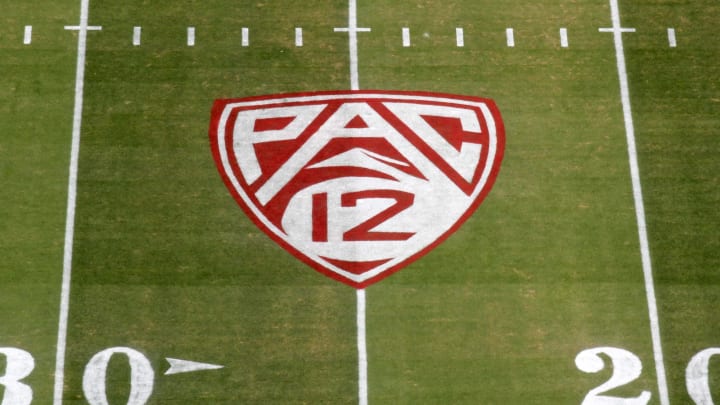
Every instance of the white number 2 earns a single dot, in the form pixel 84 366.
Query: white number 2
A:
pixel 19 365
pixel 626 367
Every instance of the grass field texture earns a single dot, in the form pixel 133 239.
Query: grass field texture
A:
pixel 166 263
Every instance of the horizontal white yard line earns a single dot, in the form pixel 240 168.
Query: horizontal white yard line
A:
pixel 298 36
pixel 137 31
pixel 459 37
pixel 245 39
pixel 191 36
pixel 672 41
pixel 510 36
pixel 563 37
pixel 406 37
pixel 27 38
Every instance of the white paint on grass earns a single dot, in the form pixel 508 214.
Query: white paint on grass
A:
pixel 510 37
pixel 352 30
pixel 672 41
pixel 137 32
pixel 405 37
pixel 459 37
pixel 362 349
pixel 191 36
pixel 18 365
pixel 697 376
pixel 626 368
pixel 245 37
pixel 27 38
pixel 563 37
pixel 617 31
pixel 178 366
pixel 82 29
pixel 613 30
pixel 298 37
pixel 142 377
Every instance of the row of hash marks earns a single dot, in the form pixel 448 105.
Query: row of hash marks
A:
pixel 405 35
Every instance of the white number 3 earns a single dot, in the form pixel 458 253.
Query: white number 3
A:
pixel 626 367
pixel 19 364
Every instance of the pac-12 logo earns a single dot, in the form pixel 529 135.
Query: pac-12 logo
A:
pixel 358 184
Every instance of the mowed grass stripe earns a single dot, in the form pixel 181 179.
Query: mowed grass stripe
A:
pixel 618 30
pixel 676 112
pixel 35 122
pixel 158 231
pixel 517 289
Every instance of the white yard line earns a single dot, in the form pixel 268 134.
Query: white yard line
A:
pixel 352 30
pixel 362 349
pixel 245 40
pixel 672 41
pixel 27 38
pixel 510 36
pixel 459 37
pixel 137 32
pixel 617 31
pixel 191 36
pixel 298 37
pixel 406 37
pixel 82 29
pixel 563 38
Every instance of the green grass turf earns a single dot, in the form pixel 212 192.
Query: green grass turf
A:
pixel 676 97
pixel 549 264
pixel 166 263
pixel 36 99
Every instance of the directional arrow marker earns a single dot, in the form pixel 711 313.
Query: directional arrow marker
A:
pixel 178 366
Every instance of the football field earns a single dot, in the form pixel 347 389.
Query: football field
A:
pixel 589 274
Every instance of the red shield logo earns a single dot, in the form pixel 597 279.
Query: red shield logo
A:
pixel 358 184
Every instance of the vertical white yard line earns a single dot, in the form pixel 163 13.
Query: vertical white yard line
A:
pixel 82 29
pixel 27 38
pixel 459 37
pixel 563 38
pixel 137 32
pixel 191 36
pixel 671 37
pixel 245 40
pixel 352 34
pixel 617 31
pixel 361 334
pixel 298 37
pixel 406 37
pixel 510 36
pixel 352 30
pixel 362 349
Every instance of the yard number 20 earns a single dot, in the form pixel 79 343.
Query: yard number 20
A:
pixel 627 367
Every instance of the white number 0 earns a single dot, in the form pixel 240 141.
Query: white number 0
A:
pixel 627 367
pixel 141 376
pixel 696 377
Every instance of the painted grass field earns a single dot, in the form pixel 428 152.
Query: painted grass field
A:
pixel 552 289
